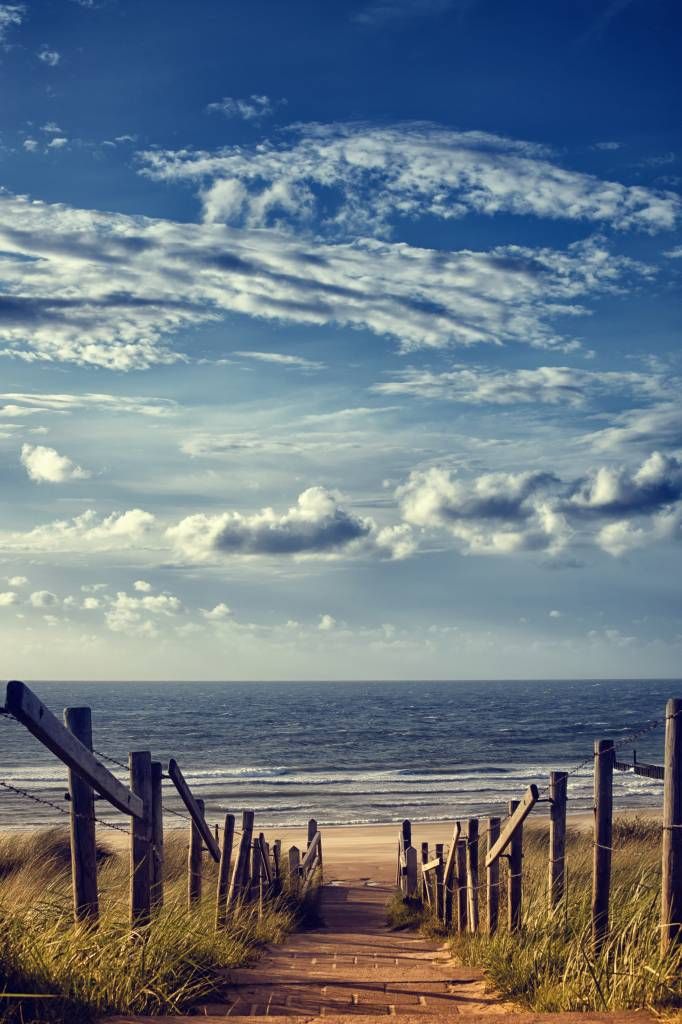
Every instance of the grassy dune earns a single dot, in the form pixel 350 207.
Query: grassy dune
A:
pixel 165 968
pixel 550 965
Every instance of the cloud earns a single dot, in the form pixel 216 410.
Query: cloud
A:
pixel 326 623
pixel 127 614
pixel 282 359
pixel 30 145
pixel 608 146
pixel 48 56
pixel 219 613
pixel 57 143
pixel 359 177
pixel 315 527
pixel 91 604
pixel 625 535
pixel 46 465
pixel 42 403
pixel 87 532
pixel 616 490
pixel 10 15
pixel 674 253
pixel 554 614
pixel 17 581
pixel 547 385
pixel 109 289
pixel 7 598
pixel 142 586
pixel 43 599
pixel 253 108
pixel 659 426
pixel 51 128
pixel 382 12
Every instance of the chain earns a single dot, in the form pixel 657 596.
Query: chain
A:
pixel 61 810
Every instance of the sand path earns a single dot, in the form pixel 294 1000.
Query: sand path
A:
pixel 356 969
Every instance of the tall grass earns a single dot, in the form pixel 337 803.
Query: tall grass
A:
pixel 550 965
pixel 165 968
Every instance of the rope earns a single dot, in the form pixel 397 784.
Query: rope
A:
pixel 62 810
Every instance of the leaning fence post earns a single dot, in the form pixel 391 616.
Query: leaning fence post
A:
pixel 461 885
pixel 557 836
pixel 601 861
pixel 140 762
pixel 438 883
pixel 515 863
pixel 312 829
pixel 240 872
pixel 196 845
pixel 425 894
pixel 83 838
pixel 671 892
pixel 294 869
pixel 224 872
pixel 472 874
pixel 492 880
pixel 157 836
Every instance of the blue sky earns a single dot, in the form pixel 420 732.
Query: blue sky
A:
pixel 340 340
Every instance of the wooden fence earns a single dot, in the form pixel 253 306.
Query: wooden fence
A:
pixel 450 885
pixel 257 873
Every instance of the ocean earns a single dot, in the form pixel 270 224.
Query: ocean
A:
pixel 348 753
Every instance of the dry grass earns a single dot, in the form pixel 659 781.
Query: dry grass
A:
pixel 165 968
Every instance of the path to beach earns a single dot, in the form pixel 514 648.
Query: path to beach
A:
pixel 355 968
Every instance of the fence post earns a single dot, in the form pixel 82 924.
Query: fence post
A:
pixel 515 863
pixel 671 893
pixel 411 871
pixel 224 872
pixel 461 885
pixel 439 883
pixel 196 846
pixel 558 796
pixel 83 838
pixel 425 894
pixel 157 836
pixel 240 872
pixel 492 880
pixel 472 874
pixel 603 814
pixel 140 762
pixel 294 869
pixel 312 829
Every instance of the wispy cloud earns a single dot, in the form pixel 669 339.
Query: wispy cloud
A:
pixel 381 12
pixel 282 359
pixel 11 15
pixel 48 56
pixel 251 108
pixel 20 404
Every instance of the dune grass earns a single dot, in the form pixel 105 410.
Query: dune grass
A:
pixel 550 965
pixel 165 968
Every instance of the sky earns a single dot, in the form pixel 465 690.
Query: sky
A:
pixel 340 341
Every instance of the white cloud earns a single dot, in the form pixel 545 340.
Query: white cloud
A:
pixel 128 614
pixel 10 15
pixel 84 533
pixel 108 289
pixel 282 359
pixel 607 146
pixel 616 490
pixel 48 56
pixel 251 108
pixel 675 253
pixel 91 603
pixel 549 385
pixel 43 599
pixel 51 128
pixel 326 623
pixel 407 170
pixel 57 143
pixel 554 614
pixel 659 426
pixel 17 581
pixel 142 586
pixel 219 613
pixel 42 403
pixel 7 598
pixel 30 145
pixel 316 527
pixel 46 465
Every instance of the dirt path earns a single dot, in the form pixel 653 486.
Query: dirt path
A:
pixel 356 968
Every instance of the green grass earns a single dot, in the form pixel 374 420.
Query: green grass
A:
pixel 164 968
pixel 550 965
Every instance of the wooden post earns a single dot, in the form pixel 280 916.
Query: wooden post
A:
pixel 492 880
pixel 312 829
pixel 603 815
pixel 558 782
pixel 411 872
pixel 515 863
pixel 83 838
pixel 294 869
pixel 194 861
pixel 425 894
pixel 461 885
pixel 157 836
pixel 671 894
pixel 224 872
pixel 439 901
pixel 140 762
pixel 472 874
pixel 240 872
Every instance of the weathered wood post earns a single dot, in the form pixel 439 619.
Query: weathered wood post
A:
pixel 194 865
pixel 472 874
pixel 461 885
pixel 224 872
pixel 558 798
pixel 492 880
pixel 411 872
pixel 312 829
pixel 671 893
pixel 294 869
pixel 515 864
pixel 603 837
pixel 425 894
pixel 157 836
pixel 140 762
pixel 240 872
pixel 277 866
pixel 83 838
pixel 440 895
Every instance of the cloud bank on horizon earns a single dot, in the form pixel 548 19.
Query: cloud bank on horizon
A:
pixel 323 375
